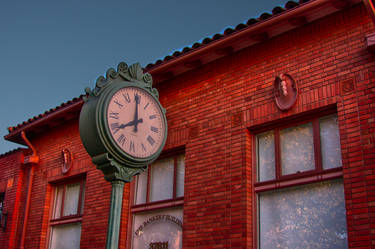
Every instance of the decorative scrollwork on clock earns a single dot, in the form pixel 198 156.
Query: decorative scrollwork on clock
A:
pixel 133 73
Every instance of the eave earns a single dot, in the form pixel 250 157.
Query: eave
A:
pixel 244 36
pixel 43 122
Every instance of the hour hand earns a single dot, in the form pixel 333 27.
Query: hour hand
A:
pixel 131 123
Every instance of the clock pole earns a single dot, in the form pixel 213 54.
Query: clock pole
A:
pixel 114 218
pixel 117 165
pixel 117 174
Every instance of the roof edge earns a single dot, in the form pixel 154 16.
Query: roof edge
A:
pixel 238 34
pixel 14 132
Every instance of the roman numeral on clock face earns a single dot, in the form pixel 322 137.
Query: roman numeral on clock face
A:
pixel 131 146
pixel 121 139
pixel 115 127
pixel 150 140
pixel 143 147
pixel 114 115
pixel 137 98
pixel 146 106
pixel 118 103
pixel 154 129
pixel 127 97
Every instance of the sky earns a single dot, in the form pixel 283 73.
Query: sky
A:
pixel 51 50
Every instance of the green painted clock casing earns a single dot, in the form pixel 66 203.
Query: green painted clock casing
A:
pixel 93 125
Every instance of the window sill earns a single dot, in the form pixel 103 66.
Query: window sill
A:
pixel 71 219
pixel 298 179
pixel 158 205
pixel 370 42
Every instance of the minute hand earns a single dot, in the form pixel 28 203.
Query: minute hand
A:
pixel 136 120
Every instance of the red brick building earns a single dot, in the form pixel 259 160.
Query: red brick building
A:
pixel 236 171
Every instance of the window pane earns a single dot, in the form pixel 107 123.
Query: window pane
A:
pixel 66 236
pixel 162 180
pixel 83 198
pixel 180 175
pixel 2 197
pixel 330 142
pixel 158 229
pixel 71 199
pixel 141 188
pixel 297 149
pixel 266 156
pixel 311 216
pixel 57 202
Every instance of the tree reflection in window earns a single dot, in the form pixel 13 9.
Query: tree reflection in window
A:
pixel 309 216
pixel 296 207
pixel 297 149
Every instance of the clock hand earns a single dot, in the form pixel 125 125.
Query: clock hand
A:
pixel 131 123
pixel 136 120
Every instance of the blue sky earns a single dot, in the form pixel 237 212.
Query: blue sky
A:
pixel 51 50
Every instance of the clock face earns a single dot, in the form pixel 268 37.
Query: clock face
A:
pixel 136 122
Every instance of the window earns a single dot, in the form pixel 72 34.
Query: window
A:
pixel 300 195
pixel 157 212
pixel 3 216
pixel 2 195
pixel 66 217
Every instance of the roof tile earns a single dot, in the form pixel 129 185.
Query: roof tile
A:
pixel 277 10
pixel 11 152
pixel 265 16
pixel 291 5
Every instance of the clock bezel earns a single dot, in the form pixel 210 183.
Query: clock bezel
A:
pixel 105 133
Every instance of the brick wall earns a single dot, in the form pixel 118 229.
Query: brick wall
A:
pixel 47 173
pixel 11 181
pixel 211 109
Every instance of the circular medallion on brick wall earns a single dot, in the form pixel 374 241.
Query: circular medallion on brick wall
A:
pixel 285 91
pixel 67 160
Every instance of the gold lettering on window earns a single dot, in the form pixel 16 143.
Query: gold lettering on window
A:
pixel 158 245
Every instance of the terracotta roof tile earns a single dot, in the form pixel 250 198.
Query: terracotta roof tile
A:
pixel 228 31
pixel 277 10
pixel 52 110
pixel 196 45
pixel 241 26
pixel 265 16
pixel 11 152
pixel 291 5
pixel 252 21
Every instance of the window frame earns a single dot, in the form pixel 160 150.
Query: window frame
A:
pixel 161 204
pixel 297 179
pixel 175 202
pixel 3 215
pixel 67 218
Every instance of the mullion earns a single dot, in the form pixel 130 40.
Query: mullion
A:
pixel 62 202
pixel 317 150
pixel 80 199
pixel 174 177
pixel 277 154
pixel 317 145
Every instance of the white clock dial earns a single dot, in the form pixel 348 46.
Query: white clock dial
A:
pixel 136 122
